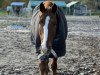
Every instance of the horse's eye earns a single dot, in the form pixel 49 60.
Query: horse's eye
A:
pixel 54 24
pixel 41 21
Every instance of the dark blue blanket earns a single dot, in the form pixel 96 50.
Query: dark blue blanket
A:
pixel 58 45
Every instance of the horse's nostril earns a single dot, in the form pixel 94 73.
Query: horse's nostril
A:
pixel 49 47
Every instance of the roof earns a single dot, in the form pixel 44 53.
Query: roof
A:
pixel 72 3
pixel 17 3
pixel 59 3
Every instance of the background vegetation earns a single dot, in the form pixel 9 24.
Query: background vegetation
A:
pixel 93 5
pixel 4 3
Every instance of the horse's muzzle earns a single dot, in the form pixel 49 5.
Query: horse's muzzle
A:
pixel 45 53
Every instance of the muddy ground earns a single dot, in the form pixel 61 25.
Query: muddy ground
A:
pixel 17 55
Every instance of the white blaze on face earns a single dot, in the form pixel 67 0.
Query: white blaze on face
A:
pixel 45 27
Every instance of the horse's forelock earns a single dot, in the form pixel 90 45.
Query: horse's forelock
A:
pixel 48 4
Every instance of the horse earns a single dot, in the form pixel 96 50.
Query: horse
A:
pixel 9 10
pixel 49 31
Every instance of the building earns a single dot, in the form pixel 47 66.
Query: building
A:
pixel 71 6
pixel 76 8
pixel 61 4
pixel 16 6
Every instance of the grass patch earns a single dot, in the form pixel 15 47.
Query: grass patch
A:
pixel 3 13
pixel 95 13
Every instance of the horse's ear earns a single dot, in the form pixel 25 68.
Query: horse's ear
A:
pixel 54 8
pixel 42 8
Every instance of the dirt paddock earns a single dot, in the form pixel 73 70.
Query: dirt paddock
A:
pixel 17 55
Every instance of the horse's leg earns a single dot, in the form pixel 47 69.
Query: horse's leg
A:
pixel 8 12
pixel 54 65
pixel 44 67
pixel 47 67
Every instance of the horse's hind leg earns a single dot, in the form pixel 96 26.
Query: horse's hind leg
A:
pixel 54 66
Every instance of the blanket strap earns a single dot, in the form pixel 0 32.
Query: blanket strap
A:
pixel 54 53
pixel 44 56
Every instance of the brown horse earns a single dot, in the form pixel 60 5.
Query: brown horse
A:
pixel 46 31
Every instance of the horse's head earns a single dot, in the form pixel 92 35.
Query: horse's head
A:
pixel 47 24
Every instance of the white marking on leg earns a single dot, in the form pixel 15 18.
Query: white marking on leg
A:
pixel 45 33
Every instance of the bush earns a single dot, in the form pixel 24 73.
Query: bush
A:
pixel 3 13
pixel 95 13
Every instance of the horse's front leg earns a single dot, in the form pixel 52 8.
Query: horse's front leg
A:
pixel 47 67
pixel 54 66
pixel 43 65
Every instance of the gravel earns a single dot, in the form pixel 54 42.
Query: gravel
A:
pixel 17 54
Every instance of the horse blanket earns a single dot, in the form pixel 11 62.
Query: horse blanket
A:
pixel 58 45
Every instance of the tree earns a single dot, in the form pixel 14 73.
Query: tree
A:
pixel 4 3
